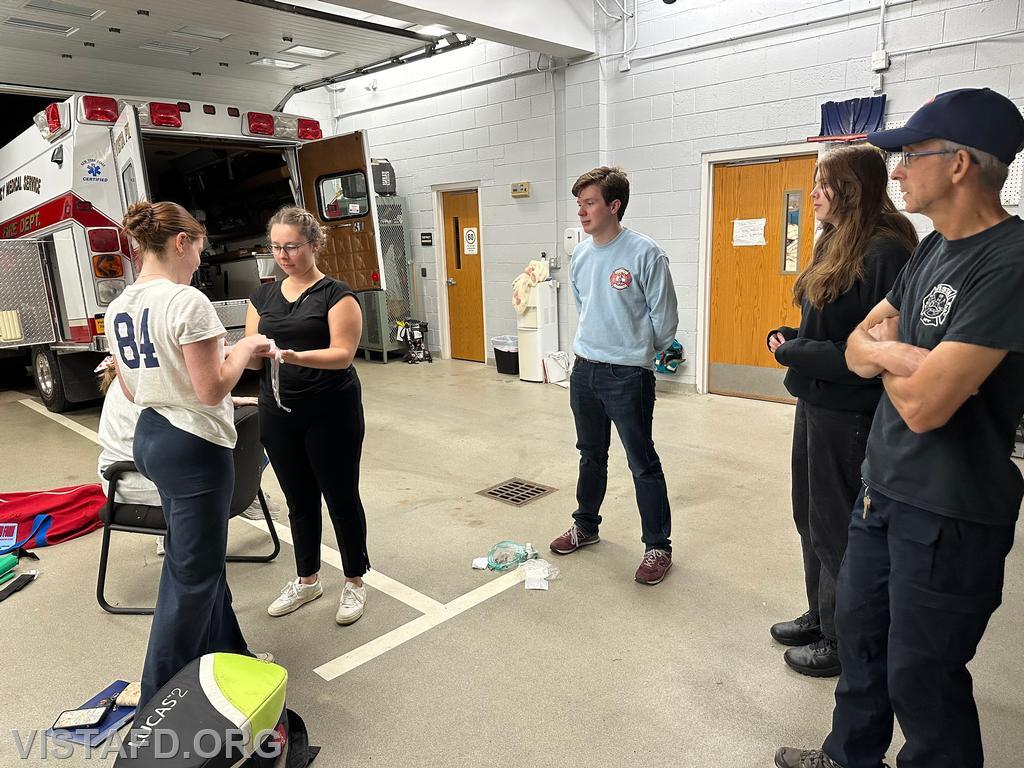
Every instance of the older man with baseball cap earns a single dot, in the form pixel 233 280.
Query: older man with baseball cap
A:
pixel 933 525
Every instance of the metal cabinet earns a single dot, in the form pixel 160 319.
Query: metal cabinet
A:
pixel 382 308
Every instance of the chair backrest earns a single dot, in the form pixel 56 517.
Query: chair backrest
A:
pixel 248 456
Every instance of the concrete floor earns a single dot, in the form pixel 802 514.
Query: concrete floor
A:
pixel 598 670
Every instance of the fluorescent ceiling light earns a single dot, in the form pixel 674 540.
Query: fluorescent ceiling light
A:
pixel 165 47
pixel 204 33
pixel 78 11
pixel 310 51
pixel 433 30
pixel 278 63
pixel 40 26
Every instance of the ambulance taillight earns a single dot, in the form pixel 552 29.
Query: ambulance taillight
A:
pixel 99 109
pixel 164 114
pixel 53 121
pixel 106 256
pixel 309 129
pixel 260 123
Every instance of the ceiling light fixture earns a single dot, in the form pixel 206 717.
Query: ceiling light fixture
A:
pixel 165 47
pixel 266 61
pixel 32 25
pixel 309 52
pixel 67 9
pixel 203 33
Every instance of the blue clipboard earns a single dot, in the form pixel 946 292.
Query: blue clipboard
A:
pixel 116 717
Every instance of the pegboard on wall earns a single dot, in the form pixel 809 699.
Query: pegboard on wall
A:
pixel 1011 189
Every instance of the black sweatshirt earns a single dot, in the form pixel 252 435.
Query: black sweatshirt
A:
pixel 816 353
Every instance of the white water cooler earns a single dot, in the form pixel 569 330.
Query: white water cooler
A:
pixel 538 330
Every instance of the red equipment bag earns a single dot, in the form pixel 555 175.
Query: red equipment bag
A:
pixel 41 518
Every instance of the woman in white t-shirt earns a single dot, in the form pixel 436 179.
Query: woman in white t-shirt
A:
pixel 117 433
pixel 167 343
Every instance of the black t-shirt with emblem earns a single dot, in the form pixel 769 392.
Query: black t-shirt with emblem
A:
pixel 300 325
pixel 971 291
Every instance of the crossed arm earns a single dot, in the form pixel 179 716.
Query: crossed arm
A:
pixel 926 386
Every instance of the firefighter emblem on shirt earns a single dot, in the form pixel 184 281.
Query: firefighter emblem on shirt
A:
pixel 936 305
pixel 621 279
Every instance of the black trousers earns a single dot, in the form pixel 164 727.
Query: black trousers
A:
pixel 915 594
pixel 602 394
pixel 315 450
pixel 193 613
pixel 828 449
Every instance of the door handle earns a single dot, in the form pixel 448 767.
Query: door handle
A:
pixel 450 281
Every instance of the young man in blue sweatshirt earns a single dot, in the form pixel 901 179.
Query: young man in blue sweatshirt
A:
pixel 627 306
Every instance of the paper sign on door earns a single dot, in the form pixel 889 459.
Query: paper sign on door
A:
pixel 748 232
pixel 470 245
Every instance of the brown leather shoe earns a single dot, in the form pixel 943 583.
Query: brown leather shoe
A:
pixel 572 540
pixel 654 566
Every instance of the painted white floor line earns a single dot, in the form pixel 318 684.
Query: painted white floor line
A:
pixel 375 579
pixel 74 426
pixel 416 627
pixel 434 612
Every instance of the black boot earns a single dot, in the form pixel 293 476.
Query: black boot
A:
pixel 803 630
pixel 819 659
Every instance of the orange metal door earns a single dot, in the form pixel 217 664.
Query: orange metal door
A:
pixel 762 236
pixel 460 214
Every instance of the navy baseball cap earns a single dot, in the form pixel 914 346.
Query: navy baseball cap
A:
pixel 975 117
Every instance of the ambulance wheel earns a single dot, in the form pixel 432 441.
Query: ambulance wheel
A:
pixel 49 383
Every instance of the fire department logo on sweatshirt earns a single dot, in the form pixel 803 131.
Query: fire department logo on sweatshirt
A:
pixel 936 305
pixel 621 279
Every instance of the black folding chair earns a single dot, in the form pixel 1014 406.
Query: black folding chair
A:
pixel 140 518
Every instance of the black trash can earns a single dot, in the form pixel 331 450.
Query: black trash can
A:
pixel 506 354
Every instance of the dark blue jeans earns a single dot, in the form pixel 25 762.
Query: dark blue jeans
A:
pixel 602 394
pixel 193 613
pixel 914 596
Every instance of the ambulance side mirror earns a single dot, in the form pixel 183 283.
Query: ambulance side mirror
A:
pixel 58 157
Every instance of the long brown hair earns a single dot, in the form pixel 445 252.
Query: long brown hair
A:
pixel 859 203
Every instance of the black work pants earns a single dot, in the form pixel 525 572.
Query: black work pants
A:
pixel 915 594
pixel 828 449
pixel 315 451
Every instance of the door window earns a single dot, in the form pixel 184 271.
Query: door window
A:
pixel 791 233
pixel 342 195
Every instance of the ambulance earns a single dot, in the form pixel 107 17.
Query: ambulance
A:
pixel 66 182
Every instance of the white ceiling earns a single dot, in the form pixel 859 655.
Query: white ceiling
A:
pixel 96 59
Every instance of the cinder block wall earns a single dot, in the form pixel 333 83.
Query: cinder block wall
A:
pixel 656 119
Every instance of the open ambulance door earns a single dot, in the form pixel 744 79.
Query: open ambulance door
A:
pixel 337 189
pixel 129 161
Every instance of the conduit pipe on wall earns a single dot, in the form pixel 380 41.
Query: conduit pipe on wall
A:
pixel 954 43
pixel 759 32
pixel 446 91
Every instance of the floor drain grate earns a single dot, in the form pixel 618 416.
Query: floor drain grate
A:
pixel 516 492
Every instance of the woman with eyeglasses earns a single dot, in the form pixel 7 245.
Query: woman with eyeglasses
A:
pixel 864 242
pixel 311 410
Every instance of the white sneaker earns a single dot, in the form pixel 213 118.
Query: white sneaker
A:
pixel 265 656
pixel 353 601
pixel 160 546
pixel 294 595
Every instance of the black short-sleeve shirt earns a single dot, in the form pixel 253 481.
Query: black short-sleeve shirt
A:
pixel 300 325
pixel 969 290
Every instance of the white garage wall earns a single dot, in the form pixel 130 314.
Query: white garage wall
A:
pixel 655 120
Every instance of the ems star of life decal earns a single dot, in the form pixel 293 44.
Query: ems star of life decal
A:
pixel 621 279
pixel 936 305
